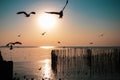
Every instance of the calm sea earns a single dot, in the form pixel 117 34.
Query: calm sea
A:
pixel 36 70
pixel 68 63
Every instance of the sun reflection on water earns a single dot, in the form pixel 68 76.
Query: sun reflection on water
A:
pixel 47 68
pixel 47 47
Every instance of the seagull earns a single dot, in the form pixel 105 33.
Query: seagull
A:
pixel 26 14
pixel 11 47
pixel 59 13
pixel 101 35
pixel 17 42
pixel 13 43
pixel 91 43
pixel 59 42
pixel 40 68
pixel 10 44
pixel 19 35
pixel 43 33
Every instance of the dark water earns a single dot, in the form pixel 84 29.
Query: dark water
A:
pixel 72 63
pixel 96 63
pixel 33 70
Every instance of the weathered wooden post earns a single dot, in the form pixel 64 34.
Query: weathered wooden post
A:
pixel 89 57
pixel 54 60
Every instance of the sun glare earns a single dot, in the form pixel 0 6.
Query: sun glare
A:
pixel 47 47
pixel 47 21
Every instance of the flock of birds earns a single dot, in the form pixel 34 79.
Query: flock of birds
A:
pixel 10 44
pixel 101 35
pixel 60 13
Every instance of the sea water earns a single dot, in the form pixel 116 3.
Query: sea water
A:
pixel 71 64
pixel 37 70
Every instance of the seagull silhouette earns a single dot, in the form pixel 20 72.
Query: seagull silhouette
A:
pixel 101 35
pixel 10 44
pixel 59 13
pixel 40 68
pixel 59 42
pixel 43 33
pixel 91 43
pixel 26 14
pixel 17 43
pixel 19 35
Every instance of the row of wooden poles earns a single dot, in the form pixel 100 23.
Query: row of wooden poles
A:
pixel 87 62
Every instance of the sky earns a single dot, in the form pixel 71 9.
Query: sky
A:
pixel 83 22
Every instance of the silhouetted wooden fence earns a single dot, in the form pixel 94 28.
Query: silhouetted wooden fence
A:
pixel 87 62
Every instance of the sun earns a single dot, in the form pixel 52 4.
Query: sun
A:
pixel 47 21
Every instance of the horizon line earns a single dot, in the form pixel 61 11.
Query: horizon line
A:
pixel 62 46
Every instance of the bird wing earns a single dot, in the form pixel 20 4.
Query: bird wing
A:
pixel 58 41
pixel 65 5
pixel 19 35
pixel 91 43
pixel 32 13
pixel 18 43
pixel 9 44
pixel 13 43
pixel 101 35
pixel 43 33
pixel 53 12
pixel 22 12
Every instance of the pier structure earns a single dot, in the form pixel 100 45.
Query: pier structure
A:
pixel 87 62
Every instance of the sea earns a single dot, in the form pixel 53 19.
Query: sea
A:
pixel 65 63
pixel 37 70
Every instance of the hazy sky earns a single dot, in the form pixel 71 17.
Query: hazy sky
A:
pixel 82 23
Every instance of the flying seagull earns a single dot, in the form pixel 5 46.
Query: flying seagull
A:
pixel 43 33
pixel 19 35
pixel 17 43
pixel 91 43
pixel 101 35
pixel 40 68
pixel 10 44
pixel 26 14
pixel 59 13
pixel 58 42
